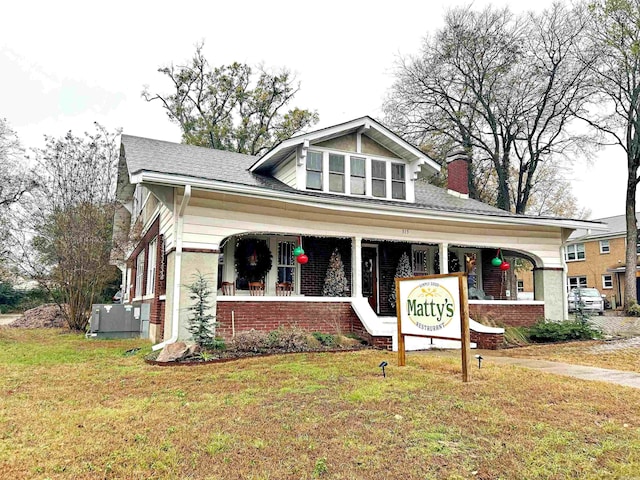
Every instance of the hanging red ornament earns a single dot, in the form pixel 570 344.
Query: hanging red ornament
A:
pixel 302 259
pixel 504 266
pixel 496 262
pixel 298 251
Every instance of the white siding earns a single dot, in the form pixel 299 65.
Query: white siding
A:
pixel 166 226
pixel 209 220
pixel 286 172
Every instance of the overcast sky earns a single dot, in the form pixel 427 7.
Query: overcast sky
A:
pixel 66 64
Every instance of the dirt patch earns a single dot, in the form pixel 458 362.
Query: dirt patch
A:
pixel 44 316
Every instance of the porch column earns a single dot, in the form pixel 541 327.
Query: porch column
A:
pixel 548 286
pixel 205 262
pixel 443 251
pixel 356 267
pixel 229 269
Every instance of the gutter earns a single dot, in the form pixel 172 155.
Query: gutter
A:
pixel 175 314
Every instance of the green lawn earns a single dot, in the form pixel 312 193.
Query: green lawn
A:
pixel 73 408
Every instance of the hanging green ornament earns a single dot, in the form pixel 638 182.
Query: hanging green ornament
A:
pixel 298 251
pixel 496 262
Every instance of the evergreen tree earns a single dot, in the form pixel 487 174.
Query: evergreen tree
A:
pixel 335 283
pixel 403 270
pixel 201 324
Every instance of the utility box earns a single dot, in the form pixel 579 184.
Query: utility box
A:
pixel 119 321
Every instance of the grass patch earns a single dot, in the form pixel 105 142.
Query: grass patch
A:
pixel 84 410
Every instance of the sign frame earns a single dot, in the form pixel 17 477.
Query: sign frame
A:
pixel 465 335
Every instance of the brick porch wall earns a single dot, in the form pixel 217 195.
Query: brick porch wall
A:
pixel 509 315
pixel 326 317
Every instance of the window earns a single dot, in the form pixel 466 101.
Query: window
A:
pixel 604 246
pixel 286 262
pixel 420 262
pixel 139 274
pixel 314 171
pixel 575 252
pixel 575 282
pixel 398 184
pixel 336 173
pixel 358 176
pixel 151 266
pixel 378 178
pixel 607 281
pixel 520 286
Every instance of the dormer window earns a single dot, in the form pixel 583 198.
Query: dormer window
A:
pixel 314 171
pixel 336 173
pixel 358 176
pixel 379 178
pixel 398 182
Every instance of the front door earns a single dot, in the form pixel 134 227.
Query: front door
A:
pixel 370 276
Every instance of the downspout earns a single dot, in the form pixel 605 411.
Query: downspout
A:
pixel 175 315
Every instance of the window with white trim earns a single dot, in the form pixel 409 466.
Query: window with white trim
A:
pixel 421 261
pixel 139 274
pixel 336 173
pixel 398 182
pixel 378 178
pixel 607 281
pixel 604 246
pixel 358 176
pixel 314 170
pixel 575 252
pixel 152 250
pixel 520 286
pixel 286 262
pixel 575 282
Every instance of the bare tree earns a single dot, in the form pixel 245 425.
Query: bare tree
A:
pixel 504 87
pixel 615 112
pixel 228 108
pixel 69 217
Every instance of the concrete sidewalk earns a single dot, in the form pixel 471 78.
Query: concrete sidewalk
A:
pixel 619 377
pixel 628 379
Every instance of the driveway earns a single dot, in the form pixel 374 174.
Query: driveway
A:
pixel 611 324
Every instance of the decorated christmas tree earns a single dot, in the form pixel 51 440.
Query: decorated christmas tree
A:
pixel 403 270
pixel 335 283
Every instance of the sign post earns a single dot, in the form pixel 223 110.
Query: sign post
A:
pixel 434 306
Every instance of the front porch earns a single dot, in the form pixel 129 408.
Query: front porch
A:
pixel 365 308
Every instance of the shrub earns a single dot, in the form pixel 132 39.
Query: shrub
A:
pixel 549 331
pixel 289 339
pixel 325 339
pixel 250 341
pixel 633 310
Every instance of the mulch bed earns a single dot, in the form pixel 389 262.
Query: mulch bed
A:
pixel 230 356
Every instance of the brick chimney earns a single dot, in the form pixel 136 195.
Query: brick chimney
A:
pixel 458 173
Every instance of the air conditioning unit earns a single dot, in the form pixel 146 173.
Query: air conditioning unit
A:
pixel 119 321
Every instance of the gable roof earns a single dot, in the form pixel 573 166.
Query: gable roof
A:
pixel 370 127
pixel 616 227
pixel 167 163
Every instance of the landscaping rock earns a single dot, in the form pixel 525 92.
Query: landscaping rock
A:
pixel 175 352
pixel 44 316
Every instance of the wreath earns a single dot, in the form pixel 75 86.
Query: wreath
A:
pixel 252 259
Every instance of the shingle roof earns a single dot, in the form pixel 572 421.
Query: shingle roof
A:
pixel 145 154
pixel 617 226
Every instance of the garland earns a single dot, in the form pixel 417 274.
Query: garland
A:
pixel 252 259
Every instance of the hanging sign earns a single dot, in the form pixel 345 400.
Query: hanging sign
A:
pixel 434 306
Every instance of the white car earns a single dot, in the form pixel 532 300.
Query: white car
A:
pixel 591 299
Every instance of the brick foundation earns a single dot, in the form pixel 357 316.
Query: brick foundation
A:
pixel 326 317
pixel 509 315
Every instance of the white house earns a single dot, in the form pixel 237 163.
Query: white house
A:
pixel 353 187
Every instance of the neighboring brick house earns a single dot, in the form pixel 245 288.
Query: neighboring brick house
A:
pixel 597 259
pixel 353 188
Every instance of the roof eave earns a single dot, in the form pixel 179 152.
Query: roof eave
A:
pixel 344 205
